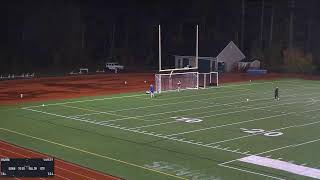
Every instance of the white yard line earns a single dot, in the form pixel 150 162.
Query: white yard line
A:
pixel 161 113
pixel 265 152
pixel 92 110
pixel 151 125
pixel 202 107
pixel 188 142
pixel 182 102
pixel 197 95
pixel 276 149
pixel 213 127
pixel 251 172
pixel 88 100
pixel 283 128
pixel 185 115
pixel 138 132
pixel 138 95
pixel 161 105
pixel 228 104
pixel 161 136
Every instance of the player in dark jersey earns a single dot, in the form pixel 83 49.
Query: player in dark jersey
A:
pixel 276 94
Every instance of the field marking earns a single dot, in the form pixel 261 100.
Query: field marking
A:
pixel 272 150
pixel 143 107
pixel 276 149
pixel 123 128
pixel 213 127
pixel 151 125
pixel 251 172
pixel 169 122
pixel 157 135
pixel 106 124
pixel 90 153
pixel 92 110
pixel 278 164
pixel 135 95
pixel 135 117
pixel 255 134
pixel 188 109
pixel 227 104
pixel 201 94
pixel 161 105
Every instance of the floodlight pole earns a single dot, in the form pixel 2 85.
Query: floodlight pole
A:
pixel 159 48
pixel 197 45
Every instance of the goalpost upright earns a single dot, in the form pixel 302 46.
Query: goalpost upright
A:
pixel 188 77
pixel 174 69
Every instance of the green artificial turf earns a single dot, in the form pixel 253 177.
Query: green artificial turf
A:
pixel 192 134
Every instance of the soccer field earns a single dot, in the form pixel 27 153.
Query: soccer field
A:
pixel 213 133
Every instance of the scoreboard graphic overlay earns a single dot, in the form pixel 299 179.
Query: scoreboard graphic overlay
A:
pixel 27 167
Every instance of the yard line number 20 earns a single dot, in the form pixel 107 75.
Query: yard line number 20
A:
pixel 262 131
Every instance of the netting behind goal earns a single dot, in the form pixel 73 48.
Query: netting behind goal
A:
pixel 208 79
pixel 169 82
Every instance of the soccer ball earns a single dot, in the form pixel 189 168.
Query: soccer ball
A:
pixel 247 100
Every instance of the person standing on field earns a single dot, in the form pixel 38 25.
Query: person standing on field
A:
pixel 179 85
pixel 151 90
pixel 276 94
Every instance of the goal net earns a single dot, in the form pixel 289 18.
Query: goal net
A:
pixel 170 82
pixel 208 79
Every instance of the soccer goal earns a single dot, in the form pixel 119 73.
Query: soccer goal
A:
pixel 208 79
pixel 170 82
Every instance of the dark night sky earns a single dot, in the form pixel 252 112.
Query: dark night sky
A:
pixel 53 34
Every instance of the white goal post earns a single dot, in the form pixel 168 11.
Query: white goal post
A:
pixel 208 79
pixel 184 68
pixel 188 80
